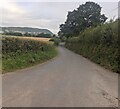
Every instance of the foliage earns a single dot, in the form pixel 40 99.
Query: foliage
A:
pixel 28 34
pixel 52 39
pixel 100 44
pixel 43 35
pixel 16 45
pixel 19 53
pixel 87 15
pixel 13 33
pixel 63 39
pixel 55 40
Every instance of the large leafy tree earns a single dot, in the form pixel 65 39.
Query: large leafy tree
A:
pixel 87 15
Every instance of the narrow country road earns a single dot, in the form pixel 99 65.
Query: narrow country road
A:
pixel 69 80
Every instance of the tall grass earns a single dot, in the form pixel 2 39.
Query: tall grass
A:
pixel 99 44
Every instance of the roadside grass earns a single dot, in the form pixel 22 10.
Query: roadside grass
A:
pixel 19 54
pixel 26 60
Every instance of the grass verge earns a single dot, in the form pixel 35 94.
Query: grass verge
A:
pixel 24 60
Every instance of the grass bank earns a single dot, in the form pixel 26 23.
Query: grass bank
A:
pixel 20 53
pixel 98 44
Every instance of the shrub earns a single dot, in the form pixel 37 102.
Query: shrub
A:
pixel 55 40
pixel 99 44
pixel 18 53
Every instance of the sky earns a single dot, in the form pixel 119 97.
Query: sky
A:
pixel 44 14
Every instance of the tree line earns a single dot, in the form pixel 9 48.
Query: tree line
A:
pixel 28 34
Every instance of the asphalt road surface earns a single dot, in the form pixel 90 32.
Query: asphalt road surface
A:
pixel 69 80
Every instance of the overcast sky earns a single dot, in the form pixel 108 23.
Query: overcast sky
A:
pixel 47 15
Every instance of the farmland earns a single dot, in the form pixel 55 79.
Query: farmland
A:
pixel 26 51
pixel 33 38
pixel 39 39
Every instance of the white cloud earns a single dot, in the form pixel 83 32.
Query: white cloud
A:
pixel 10 11
pixel 11 7
pixel 43 14
pixel 65 0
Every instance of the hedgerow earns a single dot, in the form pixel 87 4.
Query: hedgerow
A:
pixel 19 53
pixel 100 44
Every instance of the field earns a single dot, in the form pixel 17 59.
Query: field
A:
pixel 33 38
pixel 22 52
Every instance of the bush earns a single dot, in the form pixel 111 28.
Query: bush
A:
pixel 19 45
pixel 52 39
pixel 99 44
pixel 19 53
pixel 55 40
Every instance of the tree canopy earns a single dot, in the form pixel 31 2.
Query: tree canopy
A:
pixel 86 15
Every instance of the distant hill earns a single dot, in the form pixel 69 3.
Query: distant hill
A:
pixel 26 29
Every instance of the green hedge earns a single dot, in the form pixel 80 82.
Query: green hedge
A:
pixel 18 53
pixel 99 44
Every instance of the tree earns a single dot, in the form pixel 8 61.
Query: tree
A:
pixel 12 33
pixel 87 15
pixel 27 34
pixel 54 35
pixel 44 35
